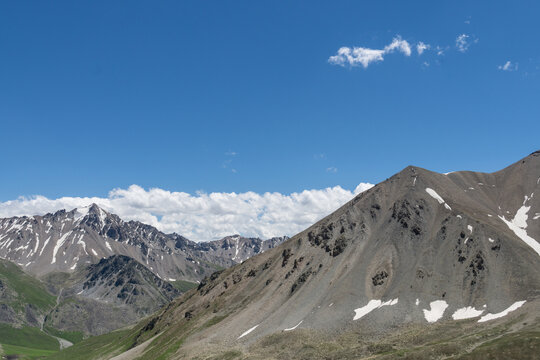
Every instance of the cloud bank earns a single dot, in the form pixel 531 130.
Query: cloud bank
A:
pixel 203 216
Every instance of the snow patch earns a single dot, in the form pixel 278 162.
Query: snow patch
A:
pixel 459 216
pixel 491 240
pixel 417 302
pixel 248 331
pixel 237 240
pixel 37 243
pixel 109 246
pixel 436 196
pixel 80 213
pixel 466 313
pixel 436 310
pixel 518 226
pixel 44 245
pixel 58 245
pixel 94 252
pixel 470 228
pixel 505 312
pixel 372 305
pixel 294 327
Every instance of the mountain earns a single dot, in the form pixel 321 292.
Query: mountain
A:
pixel 423 265
pixel 66 240
pixel 103 273
pixel 113 293
pixel 235 248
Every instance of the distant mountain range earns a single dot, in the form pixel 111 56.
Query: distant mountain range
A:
pixel 66 240
pixel 101 272
pixel 421 266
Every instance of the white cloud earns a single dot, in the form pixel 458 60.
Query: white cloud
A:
pixel 421 47
pixel 331 169
pixel 462 44
pixel 364 56
pixel 440 50
pixel 508 66
pixel 203 216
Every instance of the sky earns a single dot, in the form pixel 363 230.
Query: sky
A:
pixel 196 99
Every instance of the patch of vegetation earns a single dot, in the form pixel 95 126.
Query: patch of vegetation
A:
pixel 27 337
pixel 102 346
pixel 28 289
pixel 183 285
pixel 213 321
pixel 22 352
pixel 521 345
pixel 72 336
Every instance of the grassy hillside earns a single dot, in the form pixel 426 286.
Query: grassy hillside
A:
pixel 26 342
pixel 102 346
pixel 20 289
pixel 517 338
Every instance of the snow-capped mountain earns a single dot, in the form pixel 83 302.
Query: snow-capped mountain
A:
pixel 66 240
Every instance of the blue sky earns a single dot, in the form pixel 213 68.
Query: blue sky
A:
pixel 236 96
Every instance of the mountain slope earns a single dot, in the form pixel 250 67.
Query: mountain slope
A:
pixel 102 297
pixel 23 299
pixel 419 251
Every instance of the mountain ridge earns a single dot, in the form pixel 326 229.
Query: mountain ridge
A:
pixel 63 240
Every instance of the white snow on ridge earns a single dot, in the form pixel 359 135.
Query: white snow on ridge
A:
pixel 505 312
pixel 436 310
pixel 237 240
pixel 372 305
pixel 437 197
pixel 109 246
pixel 518 226
pixel 44 245
pixel 536 216
pixel 59 244
pixel 466 313
pixel 80 213
pixel 294 327
pixel 470 228
pixel 248 331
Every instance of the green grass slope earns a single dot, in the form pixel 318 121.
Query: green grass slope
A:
pixel 21 289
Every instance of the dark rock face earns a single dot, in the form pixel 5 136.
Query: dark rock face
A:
pixel 130 281
pixel 379 278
